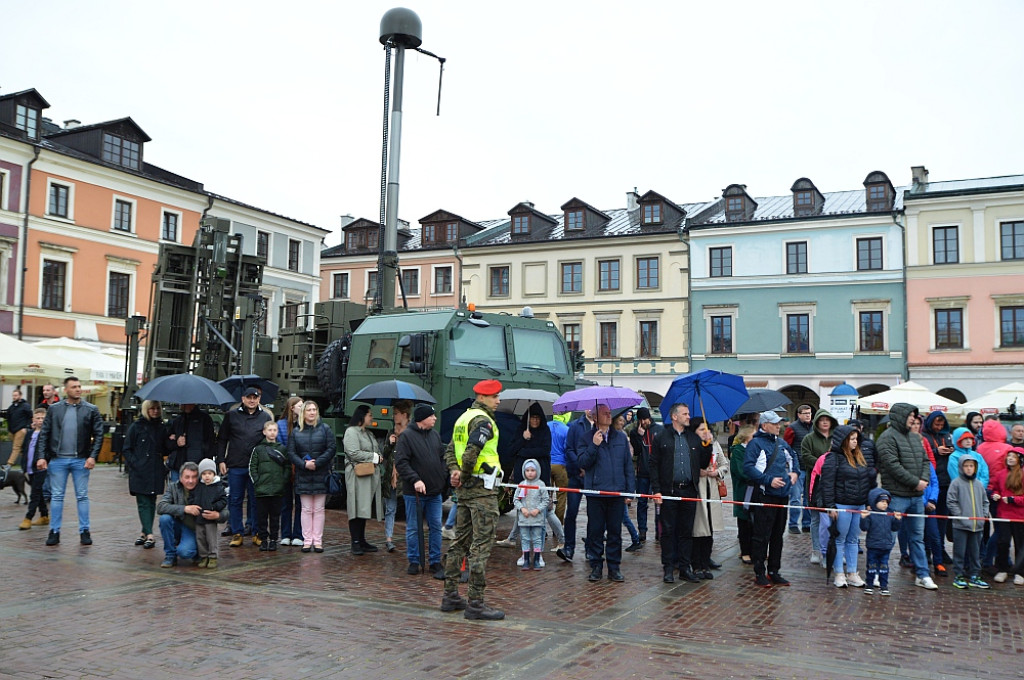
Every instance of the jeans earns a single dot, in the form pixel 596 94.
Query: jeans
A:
pixel 431 510
pixel 291 514
pixel 239 486
pixel 450 522
pixel 643 485
pixel 572 509
pixel 556 527
pixel 815 529
pixel 878 566
pixel 797 492
pixel 390 510
pixel 634 535
pixel 179 540
pixel 933 540
pixel 532 538
pixel 848 540
pixel 58 470
pixel 912 530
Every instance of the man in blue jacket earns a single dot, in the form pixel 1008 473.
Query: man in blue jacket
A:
pixel 575 443
pixel 772 468
pixel 607 466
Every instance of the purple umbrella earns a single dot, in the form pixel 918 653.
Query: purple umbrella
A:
pixel 589 397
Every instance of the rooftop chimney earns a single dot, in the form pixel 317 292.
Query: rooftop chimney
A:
pixel 919 174
pixel 632 200
pixel 346 220
pixel 71 123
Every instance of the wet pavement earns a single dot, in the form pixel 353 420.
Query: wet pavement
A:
pixel 109 611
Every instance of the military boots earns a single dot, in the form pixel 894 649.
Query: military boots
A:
pixel 452 602
pixel 478 611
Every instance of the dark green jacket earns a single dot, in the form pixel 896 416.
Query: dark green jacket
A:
pixel 269 469
pixel 901 456
pixel 815 445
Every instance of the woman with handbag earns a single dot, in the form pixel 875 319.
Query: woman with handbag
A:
pixel 362 478
pixel 708 518
pixel 311 449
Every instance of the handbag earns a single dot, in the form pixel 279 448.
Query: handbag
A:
pixel 364 469
pixel 723 491
pixel 333 482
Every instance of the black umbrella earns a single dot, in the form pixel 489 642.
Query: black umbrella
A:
pixel 236 384
pixel 830 552
pixel 184 388
pixel 762 399
pixel 387 391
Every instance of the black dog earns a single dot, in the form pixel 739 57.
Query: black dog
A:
pixel 16 480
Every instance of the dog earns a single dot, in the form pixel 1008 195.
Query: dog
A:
pixel 16 480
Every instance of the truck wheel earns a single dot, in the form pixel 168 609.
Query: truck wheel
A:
pixel 330 368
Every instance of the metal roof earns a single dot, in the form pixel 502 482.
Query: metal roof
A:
pixel 979 185
pixel 781 207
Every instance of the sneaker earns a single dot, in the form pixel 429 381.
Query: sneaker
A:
pixel 940 570
pixel 85 538
pixel 794 530
pixel 236 541
pixel 521 561
pixel 538 561
pixel 211 563
pixel 448 533
pixel 257 541
pixel 41 521
pixel 806 530
pixel 762 580
pixel 869 591
pixel 927 583
pixel 389 546
pixel 226 532
pixel 959 582
pixel 1000 577
pixel 777 579
pixel 265 547
pixel 634 546
pixel 169 562
pixel 976 582
pixel 840 581
pixel 815 558
pixel 26 523
pixel 1018 580
pixel 884 591
pixel 564 554
pixel 506 543
pixel 855 580
pixel 273 545
pixel 53 538
pixel 413 569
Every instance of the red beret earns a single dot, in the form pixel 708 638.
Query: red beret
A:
pixel 487 387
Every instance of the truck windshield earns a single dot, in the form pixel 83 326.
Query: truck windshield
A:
pixel 475 346
pixel 539 349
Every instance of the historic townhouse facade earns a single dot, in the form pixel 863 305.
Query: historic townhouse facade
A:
pixel 801 292
pixel 965 283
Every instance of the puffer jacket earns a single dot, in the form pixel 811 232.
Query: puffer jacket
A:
pixel 966 497
pixel 993 447
pixel 901 457
pixel 143 453
pixel 269 469
pixel 760 468
pixel 842 483
pixel 879 528
pixel 953 466
pixel 317 443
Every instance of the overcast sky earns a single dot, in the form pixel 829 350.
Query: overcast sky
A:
pixel 281 104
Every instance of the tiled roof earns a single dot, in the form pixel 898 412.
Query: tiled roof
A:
pixel 980 185
pixel 781 207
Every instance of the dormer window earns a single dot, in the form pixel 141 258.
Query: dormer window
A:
pixel 573 220
pixel 26 118
pixel 652 213
pixel 879 192
pixel 520 224
pixel 739 207
pixel 120 151
pixel 807 200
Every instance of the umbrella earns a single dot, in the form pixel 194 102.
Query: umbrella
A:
pixel 998 400
pixel 518 401
pixel 762 399
pixel 236 384
pixel 387 391
pixel 911 393
pixel 713 394
pixel 184 388
pixel 589 397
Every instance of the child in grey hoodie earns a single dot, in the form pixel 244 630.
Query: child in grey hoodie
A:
pixel 532 506
pixel 966 497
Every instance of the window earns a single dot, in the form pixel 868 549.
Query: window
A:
pixel 1011 326
pixel 371 238
pixel 118 287
pixel 796 257
pixel 798 333
pixel 571 333
pixel 734 206
pixel 647 272
pixel 499 281
pixel 3 189
pixel 572 277
pixel 721 261
pixel 648 339
pixel 339 287
pixel 869 254
pixel 169 230
pixel 574 220
pixel 411 281
pixel 804 199
pixel 878 197
pixel 429 233
pixel 451 232
pixel 609 344
pixel 355 239
pixel 54 282
pixel 872 332
pixel 58 200
pixel 294 249
pixel 652 213
pixel 608 277
pixel 371 285
pixel 262 244
pixel 949 328
pixel 443 281
pixel 1011 238
pixel 122 216
pixel 945 245
pixel 27 119
pixel 290 313
pixel 120 151
pixel 263 322
pixel 721 335
pixel 521 224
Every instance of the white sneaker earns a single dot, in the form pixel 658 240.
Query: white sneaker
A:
pixel 926 583
pixel 855 580
pixel 521 561
pixel 840 581
pixel 448 533
pixel 815 558
pixel 1018 580
pixel 1000 577
pixel 539 560
pixel 506 543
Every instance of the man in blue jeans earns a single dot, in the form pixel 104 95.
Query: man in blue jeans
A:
pixel 178 517
pixel 576 440
pixel 906 471
pixel 239 434
pixel 68 444
pixel 419 460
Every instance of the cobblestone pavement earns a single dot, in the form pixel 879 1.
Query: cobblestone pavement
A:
pixel 108 611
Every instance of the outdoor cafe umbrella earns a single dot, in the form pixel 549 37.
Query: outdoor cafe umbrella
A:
pixel 762 399
pixel 517 401
pixel 713 394
pixel 236 384
pixel 388 391
pixel 589 397
pixel 184 388
pixel 998 400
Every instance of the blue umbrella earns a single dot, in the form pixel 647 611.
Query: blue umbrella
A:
pixel 236 384
pixel 712 394
pixel 590 397
pixel 388 391
pixel 184 388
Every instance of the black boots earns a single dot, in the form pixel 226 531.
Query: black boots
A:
pixel 476 610
pixel 452 602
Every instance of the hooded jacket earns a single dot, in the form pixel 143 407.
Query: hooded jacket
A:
pixel 531 499
pixel 1010 503
pixel 953 467
pixel 842 483
pixel 815 444
pixel 760 451
pixel 419 457
pixel 901 457
pixel 879 528
pixel 967 497
pixel 537 447
pixel 935 440
pixel 994 447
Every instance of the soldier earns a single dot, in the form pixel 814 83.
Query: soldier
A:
pixel 473 452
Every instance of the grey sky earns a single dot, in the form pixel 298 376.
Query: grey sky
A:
pixel 280 104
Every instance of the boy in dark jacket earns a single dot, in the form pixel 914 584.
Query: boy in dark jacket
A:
pixel 209 494
pixel 269 471
pixel 879 539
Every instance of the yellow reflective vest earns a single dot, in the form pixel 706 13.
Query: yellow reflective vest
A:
pixel 460 438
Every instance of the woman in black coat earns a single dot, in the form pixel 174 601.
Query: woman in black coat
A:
pixel 311 449
pixel 533 441
pixel 846 479
pixel 143 451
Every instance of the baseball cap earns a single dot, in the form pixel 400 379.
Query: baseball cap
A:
pixel 249 391
pixel 769 417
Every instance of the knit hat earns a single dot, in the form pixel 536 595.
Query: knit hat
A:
pixel 643 414
pixel 422 412
pixel 207 464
